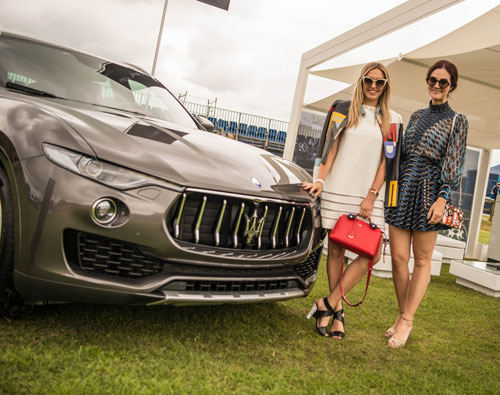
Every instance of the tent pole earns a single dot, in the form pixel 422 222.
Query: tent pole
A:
pixel 298 103
pixel 473 250
pixel 159 37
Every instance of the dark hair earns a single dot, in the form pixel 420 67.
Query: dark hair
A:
pixel 449 67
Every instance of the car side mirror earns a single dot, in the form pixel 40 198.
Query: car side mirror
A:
pixel 205 123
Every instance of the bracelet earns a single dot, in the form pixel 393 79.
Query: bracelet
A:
pixel 319 180
pixel 374 191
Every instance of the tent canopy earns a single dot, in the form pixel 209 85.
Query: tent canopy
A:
pixel 474 49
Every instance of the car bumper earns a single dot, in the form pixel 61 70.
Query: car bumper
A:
pixel 48 266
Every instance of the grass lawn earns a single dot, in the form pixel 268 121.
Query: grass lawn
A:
pixel 485 230
pixel 270 348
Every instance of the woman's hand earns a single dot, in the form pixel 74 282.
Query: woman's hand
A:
pixel 436 211
pixel 313 188
pixel 366 208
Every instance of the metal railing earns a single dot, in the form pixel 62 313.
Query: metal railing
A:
pixel 263 132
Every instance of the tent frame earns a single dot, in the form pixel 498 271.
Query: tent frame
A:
pixel 392 20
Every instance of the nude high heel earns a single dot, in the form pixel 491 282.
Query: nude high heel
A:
pixel 395 342
pixel 389 332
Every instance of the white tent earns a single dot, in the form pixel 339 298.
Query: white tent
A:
pixel 474 48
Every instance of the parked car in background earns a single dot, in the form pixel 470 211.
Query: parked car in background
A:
pixel 112 192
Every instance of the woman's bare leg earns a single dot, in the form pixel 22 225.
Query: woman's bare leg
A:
pixel 400 242
pixel 334 260
pixel 354 272
pixel 423 247
pixel 351 276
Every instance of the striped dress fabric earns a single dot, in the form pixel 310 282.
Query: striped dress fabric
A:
pixel 353 171
pixel 431 164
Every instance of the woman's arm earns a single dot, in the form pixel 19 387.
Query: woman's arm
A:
pixel 452 168
pixel 316 187
pixel 454 158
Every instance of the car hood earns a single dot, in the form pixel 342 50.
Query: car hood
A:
pixel 184 156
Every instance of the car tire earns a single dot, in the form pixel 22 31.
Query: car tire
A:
pixel 11 303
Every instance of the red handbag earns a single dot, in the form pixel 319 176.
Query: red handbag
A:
pixel 359 237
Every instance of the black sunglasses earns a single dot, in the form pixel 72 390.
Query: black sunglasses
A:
pixel 380 83
pixel 443 83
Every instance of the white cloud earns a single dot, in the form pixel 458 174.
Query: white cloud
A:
pixel 247 57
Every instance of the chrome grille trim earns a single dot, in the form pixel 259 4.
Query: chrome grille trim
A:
pixel 198 222
pixel 289 226
pixel 218 223
pixel 235 233
pixel 300 224
pixel 275 229
pixel 246 197
pixel 179 216
pixel 261 227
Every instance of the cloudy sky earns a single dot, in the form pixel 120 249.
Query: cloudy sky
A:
pixel 247 57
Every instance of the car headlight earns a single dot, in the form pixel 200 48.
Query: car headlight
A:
pixel 102 172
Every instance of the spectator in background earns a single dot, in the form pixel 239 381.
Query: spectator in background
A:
pixel 494 191
pixel 494 194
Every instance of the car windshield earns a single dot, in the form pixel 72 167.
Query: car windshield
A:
pixel 44 70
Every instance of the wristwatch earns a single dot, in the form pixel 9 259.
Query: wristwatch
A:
pixel 373 191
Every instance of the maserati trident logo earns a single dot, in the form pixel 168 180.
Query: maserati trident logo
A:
pixel 253 225
pixel 256 182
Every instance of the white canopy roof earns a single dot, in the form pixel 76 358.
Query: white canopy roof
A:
pixel 474 49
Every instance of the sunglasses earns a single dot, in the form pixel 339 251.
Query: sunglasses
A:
pixel 443 83
pixel 380 83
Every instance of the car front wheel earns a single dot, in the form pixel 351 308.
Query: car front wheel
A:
pixel 11 303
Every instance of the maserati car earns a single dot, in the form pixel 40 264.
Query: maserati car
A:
pixel 112 192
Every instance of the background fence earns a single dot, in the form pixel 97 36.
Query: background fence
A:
pixel 266 133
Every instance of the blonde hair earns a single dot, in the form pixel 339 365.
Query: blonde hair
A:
pixel 383 101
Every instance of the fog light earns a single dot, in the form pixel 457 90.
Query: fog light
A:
pixel 104 211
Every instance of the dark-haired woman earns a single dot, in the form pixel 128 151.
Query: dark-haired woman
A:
pixel 431 164
pixel 350 177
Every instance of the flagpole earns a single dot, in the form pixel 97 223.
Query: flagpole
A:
pixel 159 37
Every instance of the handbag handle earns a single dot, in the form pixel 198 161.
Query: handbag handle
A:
pixel 370 266
pixel 353 216
pixel 369 273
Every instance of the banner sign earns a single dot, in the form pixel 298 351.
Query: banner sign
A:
pixel 224 4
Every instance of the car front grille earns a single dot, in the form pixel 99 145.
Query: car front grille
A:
pixel 230 285
pixel 104 256
pixel 111 258
pixel 239 223
pixel 310 265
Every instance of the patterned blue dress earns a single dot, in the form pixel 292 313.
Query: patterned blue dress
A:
pixel 431 164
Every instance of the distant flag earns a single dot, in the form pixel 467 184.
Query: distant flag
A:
pixel 224 4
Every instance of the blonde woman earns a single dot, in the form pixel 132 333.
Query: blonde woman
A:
pixel 351 178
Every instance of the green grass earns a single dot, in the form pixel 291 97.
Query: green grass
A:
pixel 485 230
pixel 270 348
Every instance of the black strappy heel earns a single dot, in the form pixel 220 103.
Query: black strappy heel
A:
pixel 317 313
pixel 338 316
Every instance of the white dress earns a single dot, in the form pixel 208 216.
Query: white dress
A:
pixel 351 176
